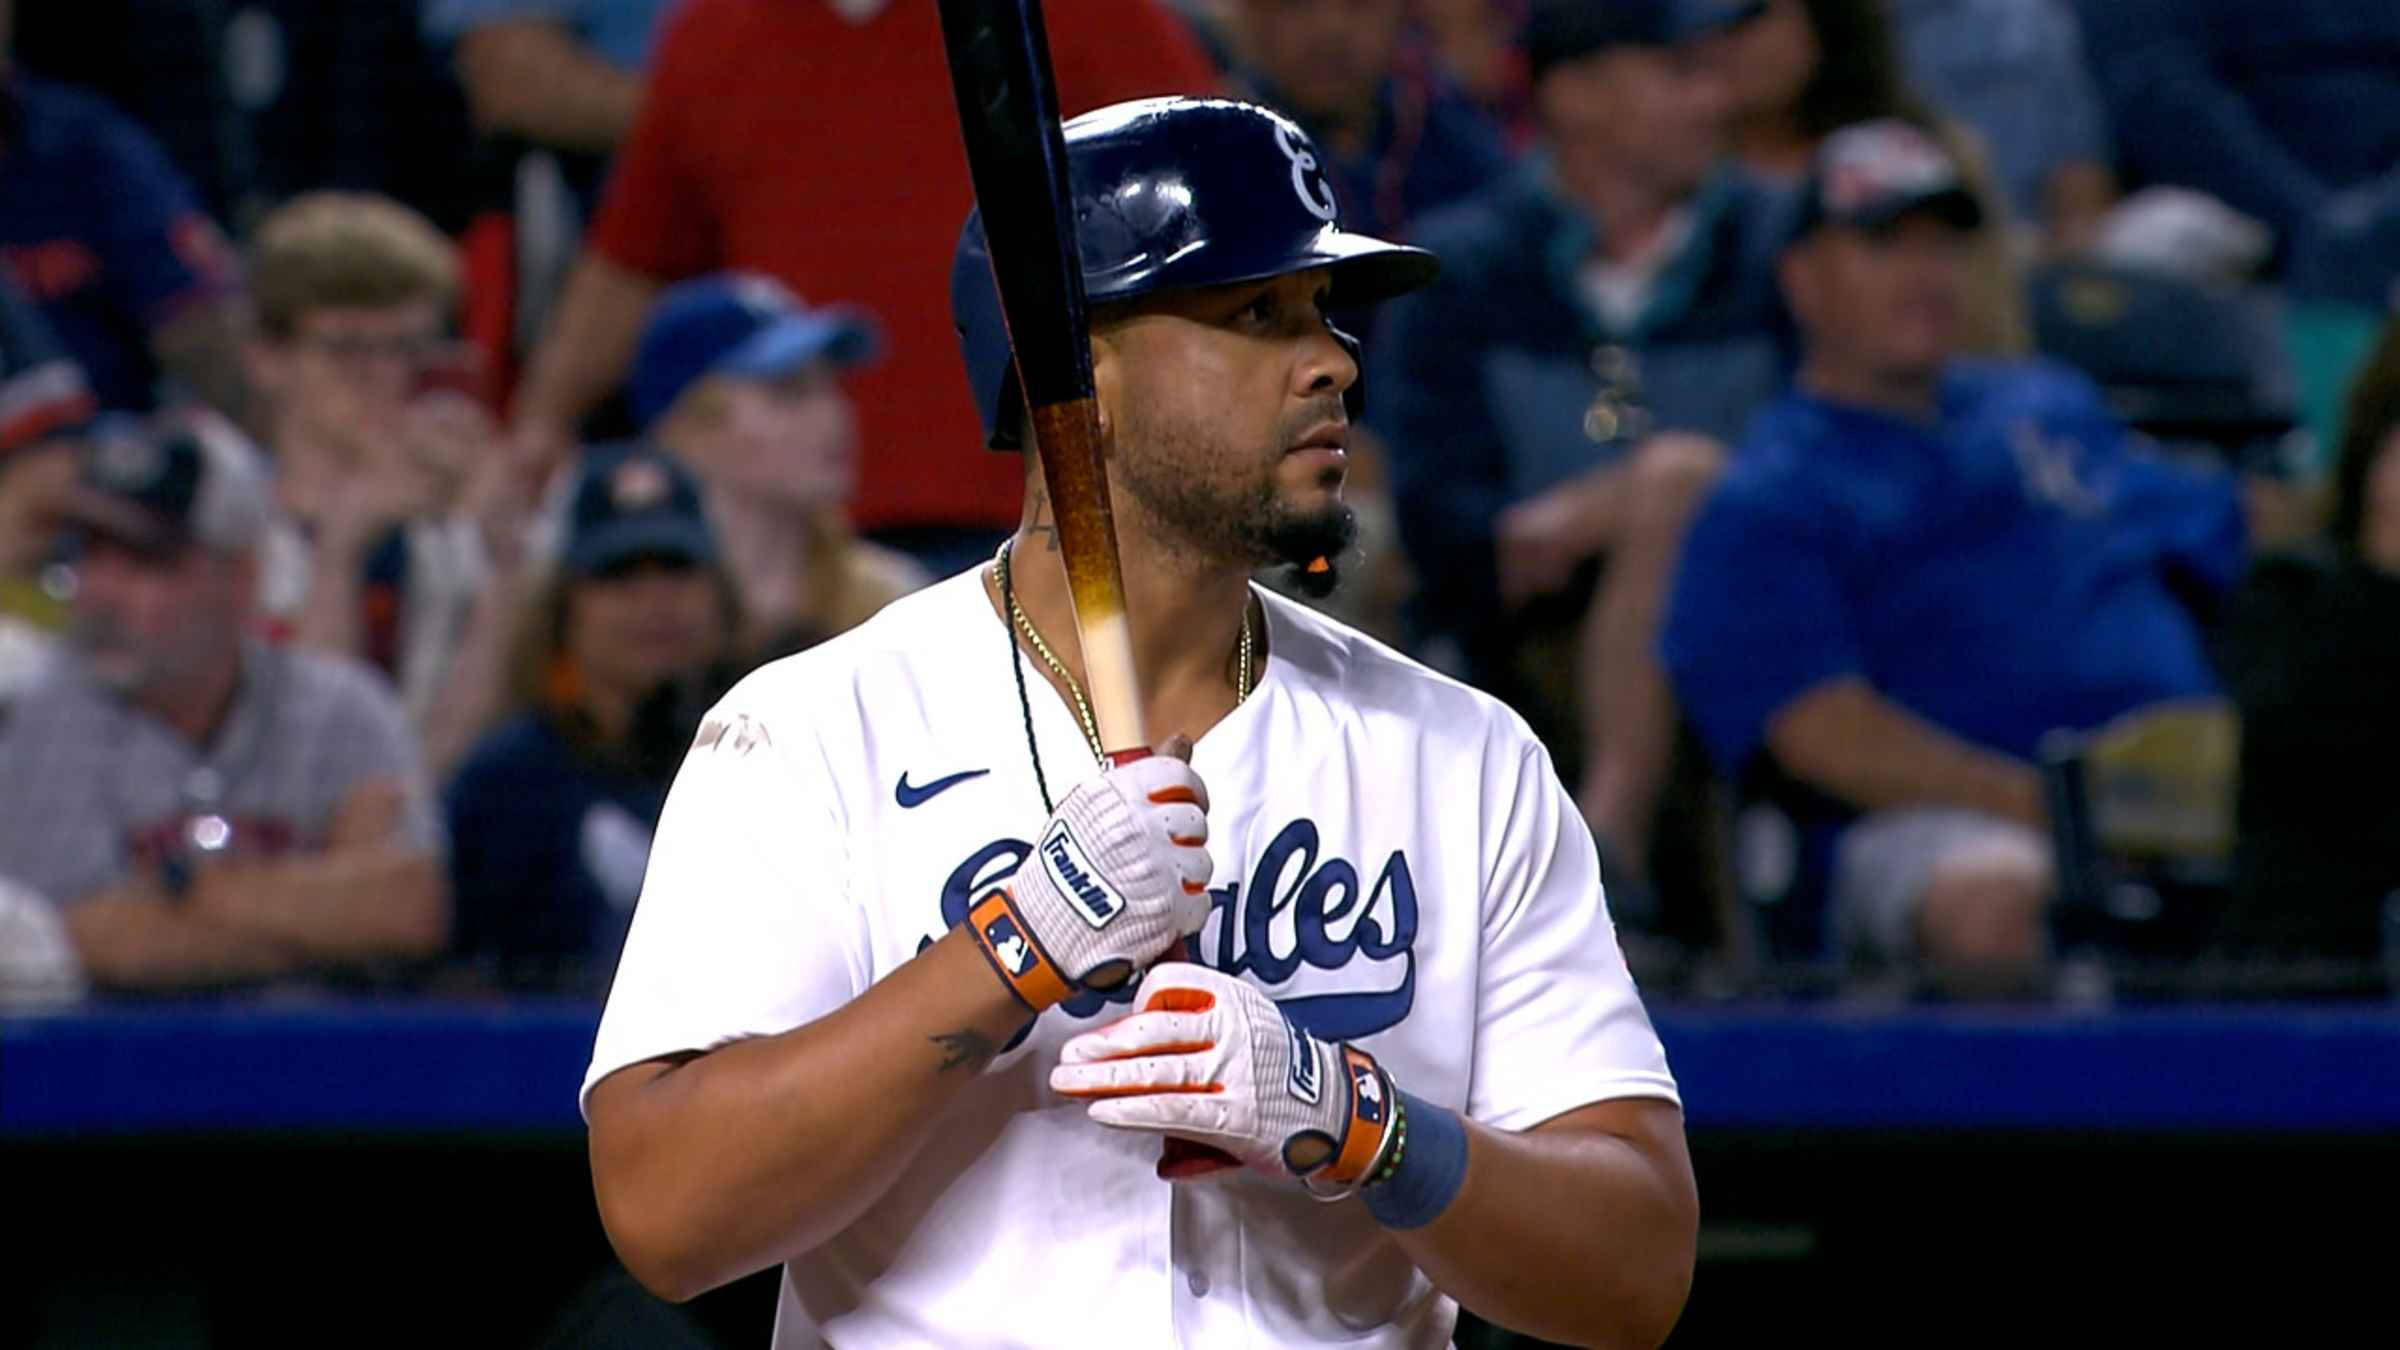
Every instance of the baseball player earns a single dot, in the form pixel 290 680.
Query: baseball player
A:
pixel 1302 1031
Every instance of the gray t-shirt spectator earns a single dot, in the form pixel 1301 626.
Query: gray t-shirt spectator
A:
pixel 92 790
pixel 2014 71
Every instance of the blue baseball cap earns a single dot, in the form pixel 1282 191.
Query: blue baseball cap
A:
pixel 635 501
pixel 742 324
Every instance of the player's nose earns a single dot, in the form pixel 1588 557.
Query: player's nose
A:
pixel 1326 367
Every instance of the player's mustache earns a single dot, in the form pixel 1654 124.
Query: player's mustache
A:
pixel 1315 413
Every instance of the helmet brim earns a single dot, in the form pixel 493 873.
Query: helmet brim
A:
pixel 1366 270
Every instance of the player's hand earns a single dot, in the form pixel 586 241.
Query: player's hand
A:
pixel 1212 1059
pixel 1118 877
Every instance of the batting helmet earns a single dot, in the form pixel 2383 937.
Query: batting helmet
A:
pixel 1170 193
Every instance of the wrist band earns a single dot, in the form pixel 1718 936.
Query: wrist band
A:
pixel 1370 1117
pixel 1428 1165
pixel 1005 941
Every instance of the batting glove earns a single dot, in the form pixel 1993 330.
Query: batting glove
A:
pixel 1117 877
pixel 1213 1060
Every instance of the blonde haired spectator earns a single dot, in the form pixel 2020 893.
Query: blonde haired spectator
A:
pixel 740 380
pixel 408 511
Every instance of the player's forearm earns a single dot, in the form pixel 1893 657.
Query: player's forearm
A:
pixel 761 1149
pixel 1847 740
pixel 1581 1231
pixel 585 347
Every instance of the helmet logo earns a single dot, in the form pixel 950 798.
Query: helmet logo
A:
pixel 1308 177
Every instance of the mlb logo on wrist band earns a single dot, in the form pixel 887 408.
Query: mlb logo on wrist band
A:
pixel 1072 871
pixel 1366 1093
pixel 1008 945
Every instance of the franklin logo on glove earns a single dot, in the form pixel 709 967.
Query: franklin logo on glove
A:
pixel 1304 1063
pixel 1077 877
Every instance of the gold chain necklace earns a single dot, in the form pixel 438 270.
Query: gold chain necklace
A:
pixel 1083 706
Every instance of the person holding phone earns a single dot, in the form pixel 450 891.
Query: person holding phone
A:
pixel 407 511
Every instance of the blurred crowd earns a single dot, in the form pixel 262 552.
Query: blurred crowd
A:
pixel 1928 469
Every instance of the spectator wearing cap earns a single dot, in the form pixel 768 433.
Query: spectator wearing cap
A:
pixel 1804 69
pixel 741 381
pixel 1401 140
pixel 623 647
pixel 207 810
pixel 734 163
pixel 1605 321
pixel 408 510
pixel 1919 565
pixel 2312 655
pixel 106 237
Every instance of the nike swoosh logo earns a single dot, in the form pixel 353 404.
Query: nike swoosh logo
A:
pixel 909 796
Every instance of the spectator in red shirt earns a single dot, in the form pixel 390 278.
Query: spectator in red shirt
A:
pixel 814 141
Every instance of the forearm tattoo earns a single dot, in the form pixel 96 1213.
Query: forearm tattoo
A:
pixel 969 1049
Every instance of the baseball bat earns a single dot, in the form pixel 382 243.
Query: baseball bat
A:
pixel 1017 155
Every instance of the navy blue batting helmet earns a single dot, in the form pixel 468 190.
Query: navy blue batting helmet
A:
pixel 1171 193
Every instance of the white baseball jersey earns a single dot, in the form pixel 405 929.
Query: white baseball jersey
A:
pixel 1396 864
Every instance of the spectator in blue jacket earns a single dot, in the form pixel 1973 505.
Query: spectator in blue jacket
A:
pixel 1605 321
pixel 2290 112
pixel 1919 565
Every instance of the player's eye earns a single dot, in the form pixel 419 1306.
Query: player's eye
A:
pixel 1261 309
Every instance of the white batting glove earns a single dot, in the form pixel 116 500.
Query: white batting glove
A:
pixel 1213 1060
pixel 1117 877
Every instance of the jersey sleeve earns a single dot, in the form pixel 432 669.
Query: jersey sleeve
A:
pixel 746 925
pixel 1560 1024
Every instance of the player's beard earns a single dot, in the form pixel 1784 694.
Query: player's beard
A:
pixel 1224 505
